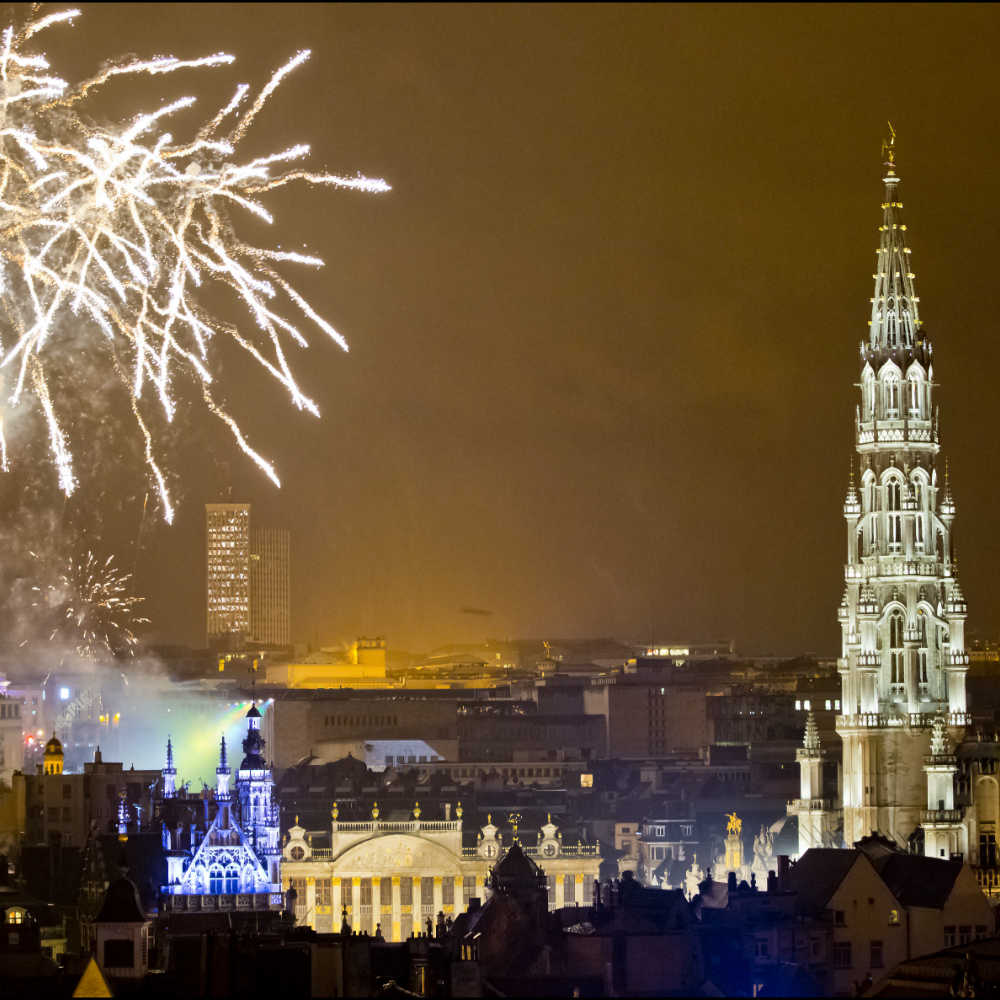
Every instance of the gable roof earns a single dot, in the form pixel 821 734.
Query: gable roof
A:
pixel 818 874
pixel 121 904
pixel 918 881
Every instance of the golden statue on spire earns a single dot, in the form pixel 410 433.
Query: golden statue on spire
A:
pixel 889 147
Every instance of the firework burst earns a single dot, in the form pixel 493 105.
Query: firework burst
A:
pixel 91 608
pixel 116 232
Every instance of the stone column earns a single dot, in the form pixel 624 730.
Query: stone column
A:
pixel 418 893
pixel 457 896
pixel 579 888
pixel 438 897
pixel 559 889
pixel 397 910
pixel 311 901
pixel 356 903
pixel 337 903
pixel 376 903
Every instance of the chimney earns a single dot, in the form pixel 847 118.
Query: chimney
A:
pixel 772 882
pixel 783 868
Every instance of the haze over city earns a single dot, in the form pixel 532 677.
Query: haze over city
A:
pixel 601 327
pixel 496 501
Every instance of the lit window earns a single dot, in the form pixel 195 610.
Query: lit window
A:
pixel 798 705
pixel 828 704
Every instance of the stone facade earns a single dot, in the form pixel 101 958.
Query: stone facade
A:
pixel 395 876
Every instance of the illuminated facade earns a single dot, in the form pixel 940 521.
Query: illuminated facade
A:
pixel 227 545
pixel 236 863
pixel 902 616
pixel 270 581
pixel 394 876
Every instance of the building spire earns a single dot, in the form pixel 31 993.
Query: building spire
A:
pixel 169 773
pixel 895 321
pixel 222 773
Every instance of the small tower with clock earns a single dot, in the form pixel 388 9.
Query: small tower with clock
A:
pixel 489 841
pixel 549 843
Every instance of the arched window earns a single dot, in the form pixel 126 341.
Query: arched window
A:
pixel 915 407
pixel 893 494
pixel 918 532
pixel 232 881
pixel 922 679
pixel 873 534
pixel 893 504
pixel 892 397
pixel 868 396
pixel 215 880
pixel 896 680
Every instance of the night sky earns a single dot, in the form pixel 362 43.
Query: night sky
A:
pixel 604 330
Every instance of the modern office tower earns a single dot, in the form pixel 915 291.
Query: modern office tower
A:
pixel 227 537
pixel 269 586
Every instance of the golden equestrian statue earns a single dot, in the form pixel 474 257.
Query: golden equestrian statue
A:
pixel 735 824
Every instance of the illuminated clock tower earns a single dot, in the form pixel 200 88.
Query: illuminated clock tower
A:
pixel 902 616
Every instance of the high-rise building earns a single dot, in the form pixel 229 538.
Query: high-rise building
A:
pixel 902 616
pixel 227 538
pixel 270 577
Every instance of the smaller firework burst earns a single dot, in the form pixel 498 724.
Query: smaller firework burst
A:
pixel 90 607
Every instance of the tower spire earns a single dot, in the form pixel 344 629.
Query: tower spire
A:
pixel 222 773
pixel 169 773
pixel 895 318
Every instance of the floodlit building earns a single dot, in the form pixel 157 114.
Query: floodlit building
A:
pixel 227 550
pixel 394 876
pixel 234 862
pixel 902 615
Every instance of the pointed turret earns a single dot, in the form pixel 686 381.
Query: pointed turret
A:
pixel 222 773
pixel 946 508
pixel 810 739
pixel 895 318
pixel 122 817
pixel 169 773
pixel 940 744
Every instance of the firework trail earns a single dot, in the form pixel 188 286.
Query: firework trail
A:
pixel 91 607
pixel 115 232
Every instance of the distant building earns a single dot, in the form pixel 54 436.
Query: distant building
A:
pixel 327 725
pixel 60 808
pixel 248 579
pixel 270 584
pixel 227 554
pixel 12 722
pixel 362 665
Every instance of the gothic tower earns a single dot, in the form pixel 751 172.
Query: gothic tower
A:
pixel 255 788
pixel 902 616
